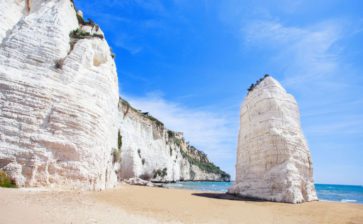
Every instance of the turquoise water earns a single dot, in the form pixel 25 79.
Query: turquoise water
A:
pixel 326 192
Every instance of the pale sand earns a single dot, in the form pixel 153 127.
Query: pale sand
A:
pixel 132 204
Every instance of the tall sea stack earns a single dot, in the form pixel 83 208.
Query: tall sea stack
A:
pixel 273 158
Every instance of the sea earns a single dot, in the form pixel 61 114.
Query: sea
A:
pixel 326 192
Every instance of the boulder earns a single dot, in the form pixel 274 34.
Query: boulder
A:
pixel 139 182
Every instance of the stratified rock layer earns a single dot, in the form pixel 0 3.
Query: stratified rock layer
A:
pixel 58 98
pixel 273 158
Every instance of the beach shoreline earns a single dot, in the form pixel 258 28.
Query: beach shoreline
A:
pixel 137 204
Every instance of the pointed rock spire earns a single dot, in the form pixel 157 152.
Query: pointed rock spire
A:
pixel 273 158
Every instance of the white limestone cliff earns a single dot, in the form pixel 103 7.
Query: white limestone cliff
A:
pixel 58 97
pixel 273 158
pixel 60 113
pixel 151 151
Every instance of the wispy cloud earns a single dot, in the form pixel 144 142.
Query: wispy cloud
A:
pixel 314 68
pixel 127 43
pixel 307 56
pixel 210 132
pixel 345 126
pixel 307 53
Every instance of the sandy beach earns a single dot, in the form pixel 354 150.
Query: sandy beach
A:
pixel 133 204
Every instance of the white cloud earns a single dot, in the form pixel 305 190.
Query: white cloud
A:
pixel 210 132
pixel 306 53
pixel 126 42
pixel 312 57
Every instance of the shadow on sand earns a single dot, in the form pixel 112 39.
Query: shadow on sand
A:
pixel 224 196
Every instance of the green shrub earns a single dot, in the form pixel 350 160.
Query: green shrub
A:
pixel 90 22
pixel 178 142
pixel 160 173
pixel 172 138
pixel 158 123
pixel 171 134
pixel 119 139
pixel 80 19
pixel 116 154
pixel 113 55
pixel 204 164
pixel 164 172
pixel 253 85
pixel 6 181
pixel 83 22
pixel 81 34
pixel 98 35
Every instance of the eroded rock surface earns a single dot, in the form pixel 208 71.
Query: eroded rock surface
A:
pixel 138 181
pixel 273 158
pixel 61 123
pixel 58 97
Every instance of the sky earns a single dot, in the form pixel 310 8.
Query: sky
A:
pixel 189 63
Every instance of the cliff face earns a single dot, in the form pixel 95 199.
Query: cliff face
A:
pixel 273 158
pixel 151 151
pixel 61 123
pixel 58 97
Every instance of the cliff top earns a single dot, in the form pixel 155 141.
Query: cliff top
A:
pixel 192 154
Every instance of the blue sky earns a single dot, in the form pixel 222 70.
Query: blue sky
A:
pixel 189 63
